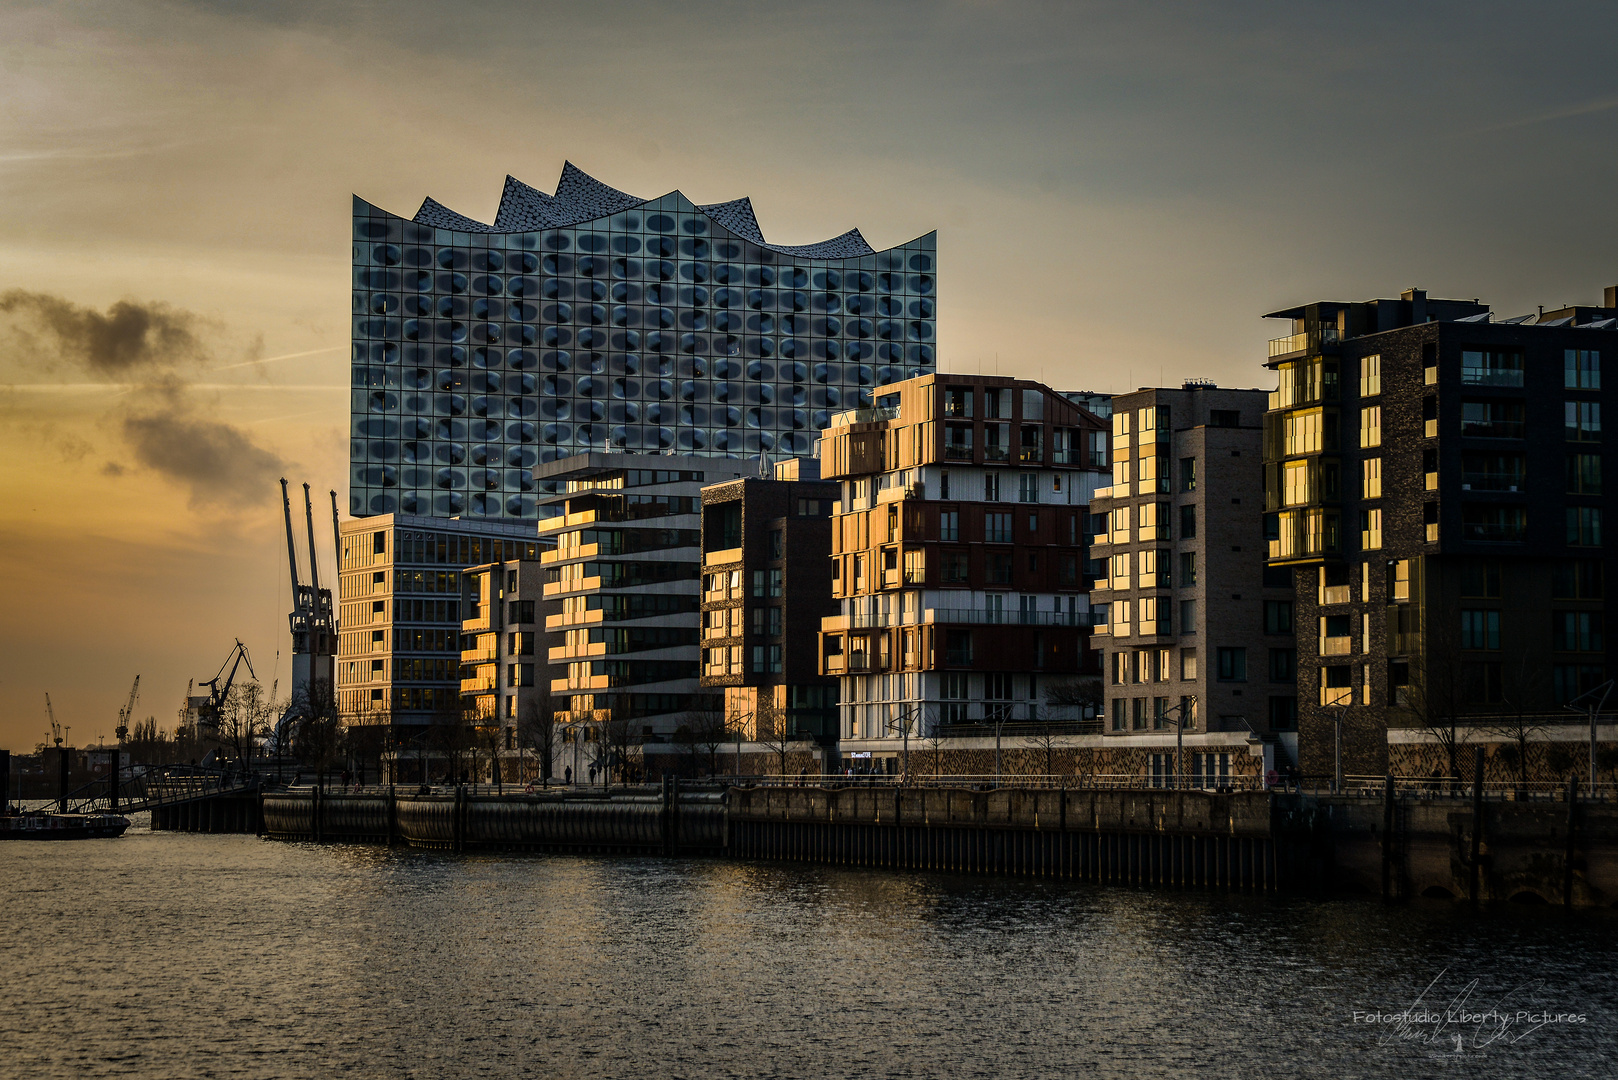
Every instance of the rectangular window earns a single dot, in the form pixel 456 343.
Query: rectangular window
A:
pixel 1188 616
pixel 1278 616
pixel 949 526
pixel 1493 367
pixel 1371 376
pixel 1119 520
pixel 1581 369
pixel 1122 618
pixel 991 487
pixel 1118 706
pixel 1584 526
pixel 1028 487
pixel 1481 577
pixel 1491 472
pixel 1154 522
pixel 1584 474
pixel 1371 478
pixel 1576 579
pixel 1582 420
pixel 1337 685
pixel 1224 418
pixel 955 567
pixel 1188 522
pixel 1188 569
pixel 1283 665
pixel 1371 426
pixel 1283 714
pixel 999 569
pixel 1370 529
pixel 1188 665
pixel 1188 474
pixel 1572 680
pixel 1492 419
pixel 1232 664
pixel 1493 524
pixel 997 528
pixel 1576 631
pixel 1480 629
pixel 775 583
pixel 1303 432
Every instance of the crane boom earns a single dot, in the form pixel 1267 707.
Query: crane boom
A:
pixel 292 549
pixel 56 729
pixel 128 711
pixel 315 643
pixel 336 537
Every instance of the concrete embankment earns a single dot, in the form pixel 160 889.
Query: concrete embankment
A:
pixel 672 822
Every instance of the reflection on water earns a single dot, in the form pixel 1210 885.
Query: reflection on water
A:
pixel 168 955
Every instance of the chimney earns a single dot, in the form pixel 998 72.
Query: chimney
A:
pixel 1610 299
pixel 1417 298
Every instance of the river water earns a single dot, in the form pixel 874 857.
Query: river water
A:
pixel 170 955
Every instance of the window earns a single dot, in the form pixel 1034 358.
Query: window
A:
pixel 775 583
pixel 1371 426
pixel 1118 719
pixel 1188 474
pixel 1154 569
pixel 1000 569
pixel 1283 713
pixel 1119 520
pixel 1576 631
pixel 1576 579
pixel 1337 685
pixel 1481 577
pixel 1491 472
pixel 1582 419
pixel 1224 418
pixel 1283 665
pixel 1188 664
pixel 997 528
pixel 958 401
pixel 943 483
pixel 1371 478
pixel 1188 522
pixel 1122 616
pixel 1493 524
pixel 1028 487
pixel 1304 432
pixel 1278 616
pixel 1188 616
pixel 1154 522
pixel 775 543
pixel 1232 664
pixel 1584 526
pixel 1154 616
pixel 1371 376
pixel 1188 568
pixel 1492 419
pixel 1210 770
pixel 1491 367
pixel 1581 369
pixel 991 487
pixel 1571 680
pixel 1370 529
pixel 1584 474
pixel 759 579
pixel 1480 629
pixel 379 543
pixel 949 525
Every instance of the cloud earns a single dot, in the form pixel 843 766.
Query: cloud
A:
pixel 130 336
pixel 154 348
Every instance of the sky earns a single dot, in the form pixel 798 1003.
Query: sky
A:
pixel 1120 190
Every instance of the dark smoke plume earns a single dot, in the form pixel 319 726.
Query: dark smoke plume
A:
pixel 147 345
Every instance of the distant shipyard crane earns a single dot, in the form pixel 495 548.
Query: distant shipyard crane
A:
pixel 208 712
pixel 126 713
pixel 312 621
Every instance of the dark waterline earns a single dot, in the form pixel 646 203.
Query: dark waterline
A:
pixel 172 955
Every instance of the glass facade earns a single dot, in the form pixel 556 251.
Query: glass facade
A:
pixel 592 321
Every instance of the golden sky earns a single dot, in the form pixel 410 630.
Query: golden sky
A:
pixel 1120 191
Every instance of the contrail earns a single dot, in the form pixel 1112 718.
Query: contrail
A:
pixel 272 359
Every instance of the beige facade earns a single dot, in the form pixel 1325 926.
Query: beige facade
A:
pixel 503 676
pixel 1197 634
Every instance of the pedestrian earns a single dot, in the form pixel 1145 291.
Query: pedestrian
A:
pixel 567 774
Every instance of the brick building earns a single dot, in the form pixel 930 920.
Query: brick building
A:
pixel 1433 479
pixel 1199 631
pixel 766 547
pixel 959 545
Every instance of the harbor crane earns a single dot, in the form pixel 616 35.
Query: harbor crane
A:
pixel 312 620
pixel 208 712
pixel 127 713
pixel 56 729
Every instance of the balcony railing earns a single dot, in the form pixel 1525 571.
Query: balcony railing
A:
pixel 1334 594
pixel 957 452
pixel 1487 429
pixel 1488 532
pixel 990 617
pixel 1336 646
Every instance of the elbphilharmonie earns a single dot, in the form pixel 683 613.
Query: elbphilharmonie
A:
pixel 594 320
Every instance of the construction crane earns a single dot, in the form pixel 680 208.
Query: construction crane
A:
pixel 312 621
pixel 208 713
pixel 56 729
pixel 127 713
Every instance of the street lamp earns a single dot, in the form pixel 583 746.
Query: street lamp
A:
pixel 1593 707
pixel 1187 703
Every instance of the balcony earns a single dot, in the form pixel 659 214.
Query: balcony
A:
pixel 958 452
pixel 1484 429
pixel 1335 594
pixel 1487 532
pixel 479 656
pixel 991 617
pixel 1336 646
pixel 996 453
pixel 1294 343
pixel 1031 454
pixel 478 686
pixel 1337 695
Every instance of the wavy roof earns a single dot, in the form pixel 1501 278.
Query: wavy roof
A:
pixel 580 197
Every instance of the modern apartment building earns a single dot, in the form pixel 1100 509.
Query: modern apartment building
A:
pixel 1434 480
pixel 622 586
pixel 504 676
pixel 592 320
pixel 959 544
pixel 766 565
pixel 1199 631
pixel 399 597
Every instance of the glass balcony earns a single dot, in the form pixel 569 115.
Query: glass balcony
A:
pixel 1336 646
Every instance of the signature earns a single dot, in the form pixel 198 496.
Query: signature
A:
pixel 1466 1021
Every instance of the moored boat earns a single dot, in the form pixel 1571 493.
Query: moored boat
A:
pixel 47 825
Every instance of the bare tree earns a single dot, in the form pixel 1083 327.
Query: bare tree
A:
pixel 1083 692
pixel 1518 725
pixel 709 731
pixel 1439 690
pixel 536 729
pixel 1043 739
pixel 771 728
pixel 618 740
pixel 449 735
pixel 318 741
